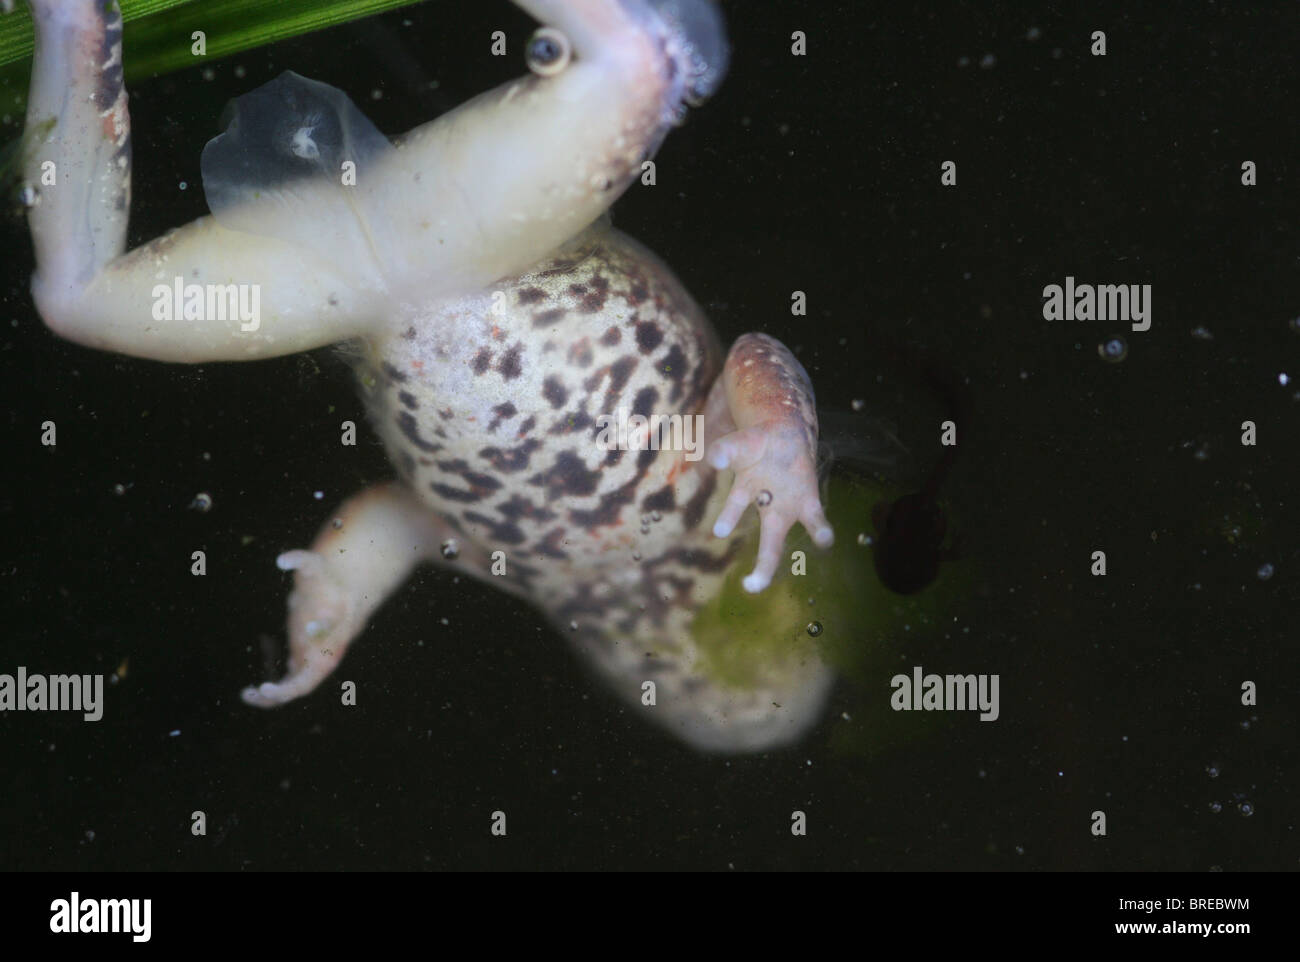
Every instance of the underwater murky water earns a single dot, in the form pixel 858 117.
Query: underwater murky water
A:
pixel 818 174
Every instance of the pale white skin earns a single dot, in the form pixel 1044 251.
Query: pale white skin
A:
pixel 448 211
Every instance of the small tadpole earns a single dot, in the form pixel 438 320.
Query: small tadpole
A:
pixel 909 548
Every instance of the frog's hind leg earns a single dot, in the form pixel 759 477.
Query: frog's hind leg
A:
pixel 363 554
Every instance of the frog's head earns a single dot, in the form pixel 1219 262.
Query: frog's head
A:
pixel 683 42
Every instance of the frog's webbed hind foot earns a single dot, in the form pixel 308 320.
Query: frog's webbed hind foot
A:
pixel 360 557
pixel 298 161
pixel 321 625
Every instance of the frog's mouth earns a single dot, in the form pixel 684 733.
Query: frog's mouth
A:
pixel 695 40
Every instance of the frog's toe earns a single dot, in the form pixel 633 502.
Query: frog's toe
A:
pixel 268 694
pixel 777 520
pixel 775 472
pixel 321 624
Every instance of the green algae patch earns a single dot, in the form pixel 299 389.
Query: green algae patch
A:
pixel 837 611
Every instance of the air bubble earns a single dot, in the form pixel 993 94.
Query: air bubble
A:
pixel 1264 572
pixel 1216 807
pixel 450 549
pixel 1212 770
pixel 864 538
pixel 814 628
pixel 1246 809
pixel 656 516
pixel 764 498
pixel 202 502
pixel 1113 350
pixel 857 404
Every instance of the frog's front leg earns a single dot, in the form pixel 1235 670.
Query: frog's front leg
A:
pixel 360 557
pixel 763 415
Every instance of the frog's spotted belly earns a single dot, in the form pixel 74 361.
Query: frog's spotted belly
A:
pixel 490 407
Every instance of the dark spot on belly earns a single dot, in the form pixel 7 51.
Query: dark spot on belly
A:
pixel 503 412
pixel 613 456
pixel 447 414
pixel 548 318
pixel 409 334
pixel 527 426
pixel 520 507
pixel 662 500
pixel 619 373
pixel 638 293
pixel 550 545
pixel 554 391
pixel 608 511
pixel 500 532
pixel 482 361
pixel 392 373
pixel 580 353
pixel 571 423
pixel 594 301
pixel 407 398
pixel 567 476
pixel 480 485
pixel 531 295
pixel 511 460
pixel 611 337
pixel 509 366
pixel 644 402
pixel 673 367
pixel 649 335
pixel 577 290
pixel 701 560
pixel 693 512
pixel 453 494
pixel 410 429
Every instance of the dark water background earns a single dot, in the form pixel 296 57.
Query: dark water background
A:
pixel 818 174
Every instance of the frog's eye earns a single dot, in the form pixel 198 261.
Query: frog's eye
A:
pixel 548 52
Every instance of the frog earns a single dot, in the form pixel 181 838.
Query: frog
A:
pixel 498 325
